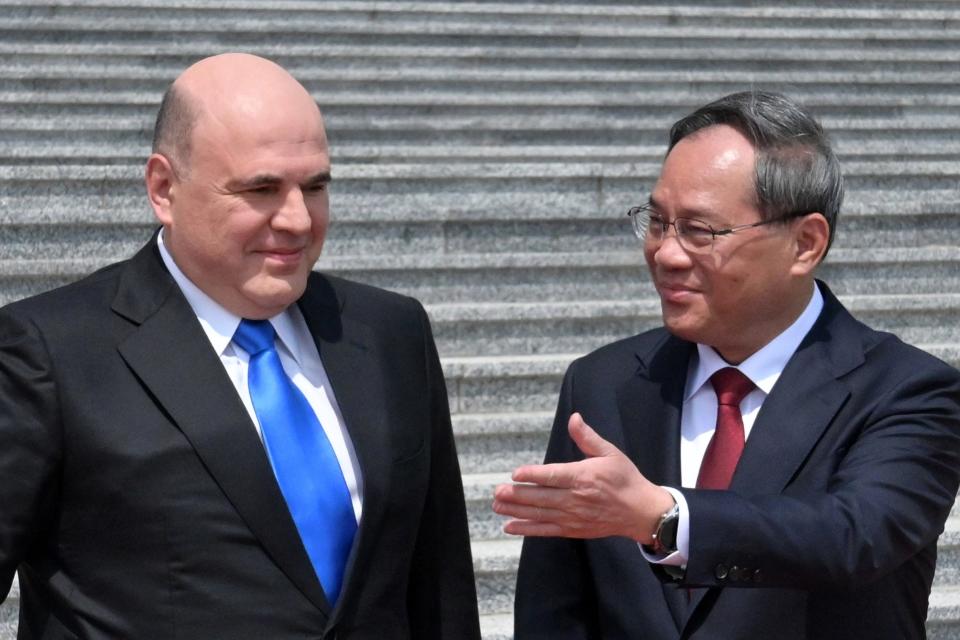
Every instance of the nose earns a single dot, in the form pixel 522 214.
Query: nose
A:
pixel 669 254
pixel 293 215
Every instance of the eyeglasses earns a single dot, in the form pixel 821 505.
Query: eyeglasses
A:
pixel 695 236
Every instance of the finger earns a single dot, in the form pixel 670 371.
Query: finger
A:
pixel 534 529
pixel 588 440
pixel 529 512
pixel 559 474
pixel 532 495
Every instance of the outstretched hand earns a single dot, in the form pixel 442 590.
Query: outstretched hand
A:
pixel 602 495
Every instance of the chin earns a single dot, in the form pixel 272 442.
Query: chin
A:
pixel 277 294
pixel 685 330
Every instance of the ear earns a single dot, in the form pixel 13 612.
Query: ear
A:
pixel 160 180
pixel 811 235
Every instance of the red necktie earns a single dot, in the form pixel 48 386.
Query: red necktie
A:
pixel 723 452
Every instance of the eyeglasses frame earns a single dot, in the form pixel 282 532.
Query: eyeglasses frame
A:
pixel 634 214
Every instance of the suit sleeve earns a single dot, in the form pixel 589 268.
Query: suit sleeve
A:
pixel 555 598
pixel 442 596
pixel 29 442
pixel 895 480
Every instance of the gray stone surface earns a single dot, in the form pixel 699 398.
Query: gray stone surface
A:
pixel 484 156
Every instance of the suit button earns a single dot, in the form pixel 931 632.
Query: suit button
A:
pixel 721 571
pixel 757 576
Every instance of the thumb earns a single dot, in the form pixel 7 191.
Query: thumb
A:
pixel 587 440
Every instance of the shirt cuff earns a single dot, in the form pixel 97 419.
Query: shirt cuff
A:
pixel 679 557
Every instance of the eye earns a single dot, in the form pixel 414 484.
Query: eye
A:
pixel 695 228
pixel 263 190
pixel 655 224
pixel 319 187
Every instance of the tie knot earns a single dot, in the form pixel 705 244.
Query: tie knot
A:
pixel 254 336
pixel 731 386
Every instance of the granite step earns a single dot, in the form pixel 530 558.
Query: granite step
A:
pixel 943 618
pixel 533 113
pixel 395 235
pixel 509 384
pixel 9 612
pixel 858 173
pixel 464 87
pixel 495 567
pixel 488 21
pixel 485 6
pixel 539 116
pixel 687 54
pixel 494 442
pixel 594 203
pixel 552 13
pixel 299 55
pixel 44 141
pixel 542 277
pixel 81 74
pixel 485 525
pixel 221 36
pixel 493 626
pixel 501 329
pixel 520 86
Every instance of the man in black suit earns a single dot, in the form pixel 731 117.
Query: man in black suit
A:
pixel 764 465
pixel 147 488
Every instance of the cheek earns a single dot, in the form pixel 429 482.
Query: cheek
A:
pixel 650 255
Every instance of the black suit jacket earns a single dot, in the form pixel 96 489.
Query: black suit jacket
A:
pixel 829 529
pixel 137 498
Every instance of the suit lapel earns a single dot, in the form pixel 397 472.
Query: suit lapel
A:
pixel 347 350
pixel 791 421
pixel 801 404
pixel 798 410
pixel 650 403
pixel 172 357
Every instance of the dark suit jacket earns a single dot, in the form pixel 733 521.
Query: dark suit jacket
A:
pixel 829 529
pixel 137 498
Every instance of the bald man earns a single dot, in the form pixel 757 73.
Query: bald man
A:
pixel 209 440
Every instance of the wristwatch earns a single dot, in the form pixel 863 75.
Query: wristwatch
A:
pixel 665 537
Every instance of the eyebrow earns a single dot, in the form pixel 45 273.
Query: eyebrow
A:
pixel 269 179
pixel 706 216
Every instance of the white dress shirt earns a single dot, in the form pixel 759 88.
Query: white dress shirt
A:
pixel 298 355
pixel 698 418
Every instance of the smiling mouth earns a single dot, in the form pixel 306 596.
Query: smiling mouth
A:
pixel 286 256
pixel 674 293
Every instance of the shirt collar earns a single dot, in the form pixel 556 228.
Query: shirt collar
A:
pixel 218 323
pixel 765 366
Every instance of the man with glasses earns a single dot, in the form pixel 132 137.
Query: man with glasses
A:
pixel 764 465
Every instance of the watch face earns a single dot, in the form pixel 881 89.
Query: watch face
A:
pixel 667 531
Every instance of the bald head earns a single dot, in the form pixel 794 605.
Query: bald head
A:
pixel 239 180
pixel 231 90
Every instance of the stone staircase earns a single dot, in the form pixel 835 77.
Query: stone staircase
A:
pixel 484 156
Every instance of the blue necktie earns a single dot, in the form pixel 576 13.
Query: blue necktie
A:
pixel 303 460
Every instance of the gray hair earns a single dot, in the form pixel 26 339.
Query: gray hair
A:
pixel 174 127
pixel 796 170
